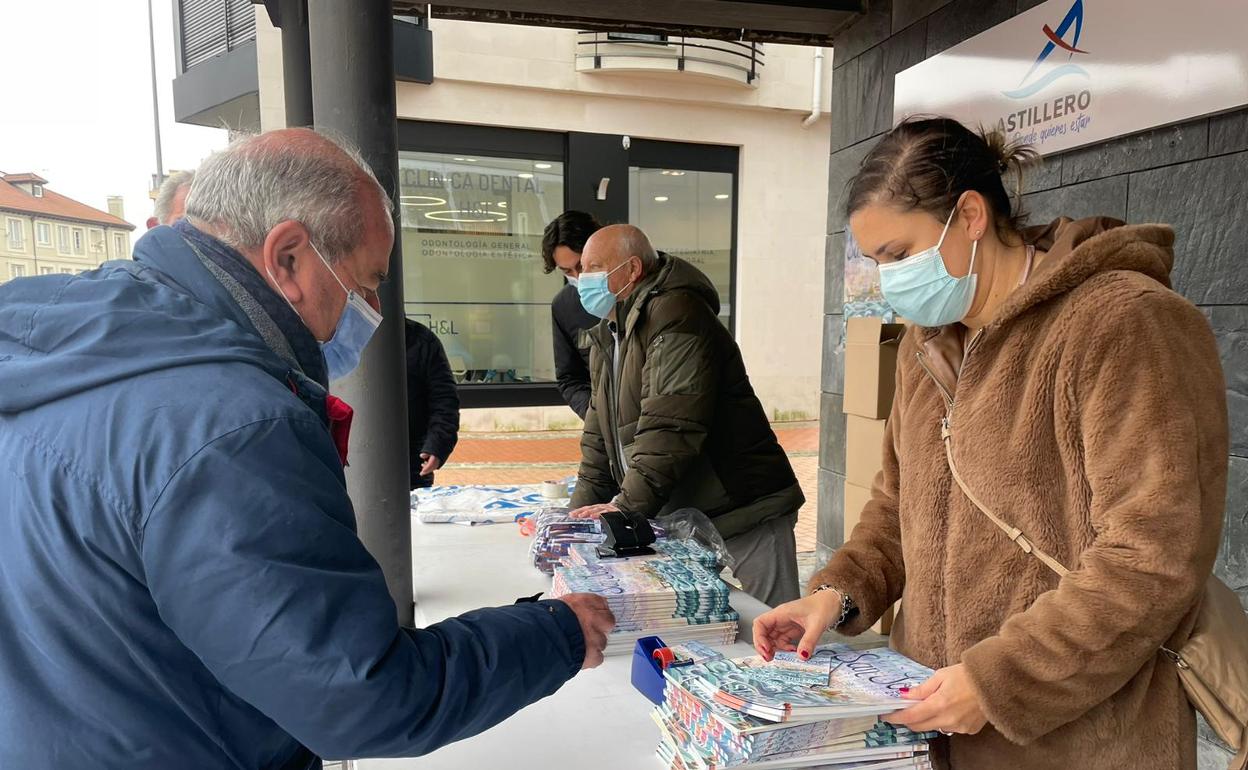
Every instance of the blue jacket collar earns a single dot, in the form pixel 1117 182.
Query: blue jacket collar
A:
pixel 165 250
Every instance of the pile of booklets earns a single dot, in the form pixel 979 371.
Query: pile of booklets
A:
pixel 560 539
pixel 677 599
pixel 582 554
pixel 554 531
pixel 823 713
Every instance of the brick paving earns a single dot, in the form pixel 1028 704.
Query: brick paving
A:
pixel 530 458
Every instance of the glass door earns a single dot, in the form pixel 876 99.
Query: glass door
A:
pixel 688 214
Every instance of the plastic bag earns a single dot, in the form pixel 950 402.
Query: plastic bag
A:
pixel 692 524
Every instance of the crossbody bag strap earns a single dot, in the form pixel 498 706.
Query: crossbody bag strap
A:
pixel 1014 533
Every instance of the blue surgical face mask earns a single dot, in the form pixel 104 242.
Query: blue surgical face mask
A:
pixel 355 327
pixel 920 288
pixel 596 296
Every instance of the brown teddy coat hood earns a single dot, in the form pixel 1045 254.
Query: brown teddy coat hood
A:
pixel 1090 414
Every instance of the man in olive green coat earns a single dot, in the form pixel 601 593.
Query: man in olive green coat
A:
pixel 673 421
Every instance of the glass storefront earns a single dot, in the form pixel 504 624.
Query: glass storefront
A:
pixel 688 214
pixel 472 234
pixel 474 201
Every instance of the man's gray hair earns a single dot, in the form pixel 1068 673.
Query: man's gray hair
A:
pixel 168 191
pixel 297 174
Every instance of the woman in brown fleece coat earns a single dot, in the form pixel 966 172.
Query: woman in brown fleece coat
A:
pixel 1087 408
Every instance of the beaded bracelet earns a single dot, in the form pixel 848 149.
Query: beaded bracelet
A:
pixel 847 604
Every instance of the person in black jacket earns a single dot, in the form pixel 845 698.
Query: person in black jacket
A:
pixel 562 244
pixel 432 404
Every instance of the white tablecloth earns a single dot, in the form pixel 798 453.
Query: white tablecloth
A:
pixel 596 721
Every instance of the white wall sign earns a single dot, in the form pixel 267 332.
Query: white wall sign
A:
pixel 1066 74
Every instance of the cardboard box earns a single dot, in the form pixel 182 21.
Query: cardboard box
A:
pixel 870 366
pixel 864 449
pixel 856 498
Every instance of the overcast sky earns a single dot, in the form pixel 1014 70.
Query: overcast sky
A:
pixel 77 99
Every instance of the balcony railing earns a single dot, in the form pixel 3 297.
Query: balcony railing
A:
pixel 739 62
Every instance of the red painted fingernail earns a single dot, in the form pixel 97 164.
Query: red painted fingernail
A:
pixel 904 690
pixel 805 655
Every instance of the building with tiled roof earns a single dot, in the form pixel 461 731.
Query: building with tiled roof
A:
pixel 44 232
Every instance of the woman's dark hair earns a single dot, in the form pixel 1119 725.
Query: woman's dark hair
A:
pixel 928 163
pixel 571 229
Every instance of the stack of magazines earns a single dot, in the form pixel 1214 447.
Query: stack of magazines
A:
pixel 676 599
pixel 584 554
pixel 823 713
pixel 554 531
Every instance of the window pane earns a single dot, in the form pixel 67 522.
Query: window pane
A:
pixel 62 238
pixel 45 234
pixel 472 260
pixel 688 214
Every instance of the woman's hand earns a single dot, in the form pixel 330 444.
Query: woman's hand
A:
pixel 796 626
pixel 949 705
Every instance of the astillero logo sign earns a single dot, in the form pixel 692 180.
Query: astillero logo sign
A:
pixel 1069 73
pixel 1039 76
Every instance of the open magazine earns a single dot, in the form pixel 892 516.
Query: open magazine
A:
pixel 837 682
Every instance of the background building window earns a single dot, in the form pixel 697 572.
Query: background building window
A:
pixel 62 239
pixel 43 234
pixel 79 238
pixel 16 241
pixel 472 266
pixel 67 270
pixel 17 271
pixel 37 190
pixel 119 246
pixel 635 37
pixel 96 239
pixel 46 270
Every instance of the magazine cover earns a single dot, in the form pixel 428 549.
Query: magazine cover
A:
pixel 836 681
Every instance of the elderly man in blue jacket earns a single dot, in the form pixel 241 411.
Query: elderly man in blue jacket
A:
pixel 181 585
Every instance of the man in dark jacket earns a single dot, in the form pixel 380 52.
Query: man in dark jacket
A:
pixel 562 244
pixel 181 584
pixel 673 422
pixel 432 404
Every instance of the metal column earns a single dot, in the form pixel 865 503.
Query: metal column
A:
pixel 296 63
pixel 352 47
